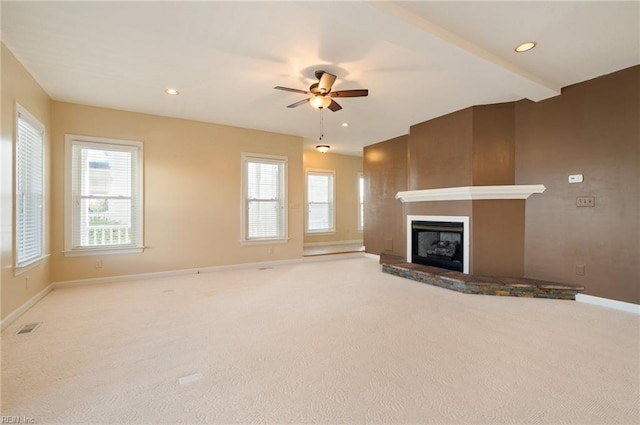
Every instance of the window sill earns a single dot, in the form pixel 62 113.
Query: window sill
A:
pixel 103 251
pixel 18 270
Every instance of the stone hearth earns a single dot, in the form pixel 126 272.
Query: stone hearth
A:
pixel 470 284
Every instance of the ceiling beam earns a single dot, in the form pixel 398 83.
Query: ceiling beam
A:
pixel 523 82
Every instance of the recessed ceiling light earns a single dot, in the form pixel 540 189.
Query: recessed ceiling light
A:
pixel 345 124
pixel 524 47
pixel 172 92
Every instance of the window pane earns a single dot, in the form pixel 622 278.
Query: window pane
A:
pixel 319 217
pixel 106 194
pixel 318 188
pixel 264 219
pixel 265 198
pixel 29 189
pixel 107 172
pixel 361 198
pixel 105 222
pixel 320 201
pixel 263 181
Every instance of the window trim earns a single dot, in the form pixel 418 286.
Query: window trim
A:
pixel 21 111
pixel 360 204
pixel 246 157
pixel 317 171
pixel 69 215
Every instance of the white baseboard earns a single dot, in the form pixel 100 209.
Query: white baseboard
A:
pixel 123 278
pixel 355 241
pixel 589 299
pixel 156 275
pixel 11 317
pixel 333 257
pixel 606 302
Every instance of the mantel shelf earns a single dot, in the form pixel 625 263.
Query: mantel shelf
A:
pixel 470 193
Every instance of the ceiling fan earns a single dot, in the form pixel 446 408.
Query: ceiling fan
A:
pixel 321 94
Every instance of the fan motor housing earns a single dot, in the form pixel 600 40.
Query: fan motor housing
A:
pixel 314 89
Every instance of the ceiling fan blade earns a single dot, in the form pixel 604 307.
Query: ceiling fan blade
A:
pixel 325 83
pixel 334 106
pixel 350 93
pixel 292 90
pixel 298 103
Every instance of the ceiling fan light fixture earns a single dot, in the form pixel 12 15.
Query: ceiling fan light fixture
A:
pixel 323 148
pixel 525 47
pixel 319 101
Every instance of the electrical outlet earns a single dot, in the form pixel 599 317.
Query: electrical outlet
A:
pixel 580 270
pixel 98 264
pixel 586 201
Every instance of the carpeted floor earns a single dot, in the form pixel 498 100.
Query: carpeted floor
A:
pixel 323 342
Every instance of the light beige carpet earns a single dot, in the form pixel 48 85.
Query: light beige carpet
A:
pixel 326 342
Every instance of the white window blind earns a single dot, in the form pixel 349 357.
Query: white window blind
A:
pixel 264 197
pixel 361 201
pixel 105 194
pixel 29 166
pixel 320 201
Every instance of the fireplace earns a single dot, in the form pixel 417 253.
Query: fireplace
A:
pixel 439 242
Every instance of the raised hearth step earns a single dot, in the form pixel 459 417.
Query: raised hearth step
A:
pixel 471 284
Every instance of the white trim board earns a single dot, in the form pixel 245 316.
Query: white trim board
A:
pixel 169 273
pixel 466 193
pixel 355 241
pixel 333 257
pixel 606 302
pixel 15 314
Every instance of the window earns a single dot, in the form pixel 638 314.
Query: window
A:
pixel 361 202
pixel 29 168
pixel 264 198
pixel 103 205
pixel 320 201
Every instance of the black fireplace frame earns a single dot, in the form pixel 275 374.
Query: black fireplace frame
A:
pixel 454 262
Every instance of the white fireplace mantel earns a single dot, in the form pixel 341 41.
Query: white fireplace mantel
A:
pixel 467 193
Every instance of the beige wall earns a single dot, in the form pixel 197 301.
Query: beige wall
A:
pixel 19 86
pixel 192 174
pixel 346 170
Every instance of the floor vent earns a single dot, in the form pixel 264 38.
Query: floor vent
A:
pixel 265 268
pixel 28 328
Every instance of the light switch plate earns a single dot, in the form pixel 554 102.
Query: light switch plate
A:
pixel 576 178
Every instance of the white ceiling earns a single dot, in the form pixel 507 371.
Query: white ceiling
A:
pixel 419 60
